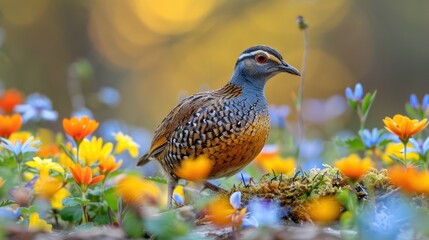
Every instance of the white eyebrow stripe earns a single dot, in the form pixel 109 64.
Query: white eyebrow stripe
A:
pixel 270 56
pixel 251 53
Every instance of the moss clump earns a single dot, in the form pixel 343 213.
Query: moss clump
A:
pixel 293 192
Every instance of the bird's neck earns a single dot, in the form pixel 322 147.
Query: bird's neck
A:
pixel 248 85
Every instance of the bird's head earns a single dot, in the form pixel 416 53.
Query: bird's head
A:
pixel 262 62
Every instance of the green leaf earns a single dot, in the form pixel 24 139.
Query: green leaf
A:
pixel 157 179
pixel 132 225
pixel 29 210
pixel 73 201
pixel 70 202
pixel 352 104
pixel 167 226
pixel 367 102
pixel 353 144
pixel 396 159
pixel 111 198
pixel 71 214
pixel 68 152
pixel 411 112
pixel 6 202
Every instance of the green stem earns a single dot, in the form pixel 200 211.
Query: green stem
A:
pixel 362 119
pixel 77 151
pixel 405 154
pixel 84 215
pixel 301 93
pixel 20 174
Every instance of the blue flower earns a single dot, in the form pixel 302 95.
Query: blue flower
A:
pixel 414 101
pixel 278 115
pixel 243 176
pixel 415 104
pixel 18 148
pixel 357 95
pixel 386 219
pixel 235 200
pixel 425 102
pixel 372 138
pixel 266 212
pixel 37 107
pixel 109 96
pixel 421 147
pixel 8 213
pixel 82 112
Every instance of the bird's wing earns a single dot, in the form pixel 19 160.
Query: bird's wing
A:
pixel 178 116
pixel 182 113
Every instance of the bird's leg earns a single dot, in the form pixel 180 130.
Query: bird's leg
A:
pixel 172 183
pixel 214 188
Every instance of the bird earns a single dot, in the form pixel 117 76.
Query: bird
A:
pixel 229 125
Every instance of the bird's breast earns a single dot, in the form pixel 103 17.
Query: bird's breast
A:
pixel 230 132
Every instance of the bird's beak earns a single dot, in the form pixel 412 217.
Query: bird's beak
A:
pixel 285 67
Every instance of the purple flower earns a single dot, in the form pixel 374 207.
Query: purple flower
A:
pixel 109 96
pixel 421 147
pixel 356 95
pixel 414 101
pixel 278 115
pixel 266 212
pixel 37 107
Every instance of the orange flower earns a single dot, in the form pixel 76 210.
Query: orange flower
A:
pixel 9 124
pixel 324 210
pixel 78 129
pixel 268 152
pixel 195 169
pixel 220 211
pixel 280 165
pixel 108 165
pixel 404 127
pixel 10 99
pixel 409 179
pixel 83 176
pixel 48 150
pixel 353 166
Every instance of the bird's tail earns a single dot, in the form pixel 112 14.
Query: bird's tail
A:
pixel 143 160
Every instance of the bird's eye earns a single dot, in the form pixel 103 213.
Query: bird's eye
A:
pixel 261 58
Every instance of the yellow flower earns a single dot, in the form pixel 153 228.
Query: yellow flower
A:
pixel 324 210
pixel 28 176
pixel 47 187
pixel 279 165
pixel 94 150
pixel 353 166
pixel 403 126
pixel 137 191
pixel 195 169
pixel 1 182
pixel 37 224
pixel 21 136
pixel 57 198
pixel 179 195
pixel 125 142
pixel 44 165
pixel 397 150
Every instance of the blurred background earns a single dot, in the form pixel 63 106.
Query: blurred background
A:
pixel 133 60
